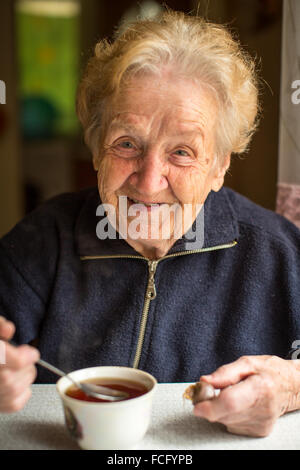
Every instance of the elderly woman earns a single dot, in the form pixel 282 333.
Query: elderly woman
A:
pixel 160 267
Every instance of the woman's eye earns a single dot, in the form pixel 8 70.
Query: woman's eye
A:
pixel 125 148
pixel 182 156
pixel 181 153
pixel 126 145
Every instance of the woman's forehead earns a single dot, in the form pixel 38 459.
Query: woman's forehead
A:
pixel 144 103
pixel 133 123
pixel 170 91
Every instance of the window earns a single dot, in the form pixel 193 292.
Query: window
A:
pixel 48 64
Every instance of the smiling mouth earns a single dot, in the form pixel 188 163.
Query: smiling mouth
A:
pixel 148 204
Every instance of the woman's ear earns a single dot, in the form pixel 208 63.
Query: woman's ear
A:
pixel 220 172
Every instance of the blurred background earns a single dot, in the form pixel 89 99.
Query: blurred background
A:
pixel 44 47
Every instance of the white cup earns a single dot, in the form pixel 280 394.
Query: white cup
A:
pixel 115 425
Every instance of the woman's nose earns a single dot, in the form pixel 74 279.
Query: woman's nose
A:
pixel 150 176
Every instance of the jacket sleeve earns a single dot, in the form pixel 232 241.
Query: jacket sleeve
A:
pixel 28 255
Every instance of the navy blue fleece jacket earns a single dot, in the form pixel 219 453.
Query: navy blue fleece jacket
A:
pixel 81 298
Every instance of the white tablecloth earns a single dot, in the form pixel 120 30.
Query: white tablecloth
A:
pixel 40 425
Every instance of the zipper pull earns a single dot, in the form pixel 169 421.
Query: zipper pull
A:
pixel 151 290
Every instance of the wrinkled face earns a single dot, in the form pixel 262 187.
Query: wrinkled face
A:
pixel 159 152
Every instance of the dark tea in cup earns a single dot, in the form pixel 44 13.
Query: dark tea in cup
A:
pixel 133 389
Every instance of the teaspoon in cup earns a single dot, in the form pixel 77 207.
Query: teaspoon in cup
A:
pixel 92 390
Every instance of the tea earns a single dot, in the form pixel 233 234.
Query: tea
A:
pixel 133 389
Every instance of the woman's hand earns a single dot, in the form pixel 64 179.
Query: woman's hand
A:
pixel 17 373
pixel 255 391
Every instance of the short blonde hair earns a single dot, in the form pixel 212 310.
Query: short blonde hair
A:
pixel 201 50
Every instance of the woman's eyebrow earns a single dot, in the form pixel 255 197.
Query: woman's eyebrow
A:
pixel 118 124
pixel 196 134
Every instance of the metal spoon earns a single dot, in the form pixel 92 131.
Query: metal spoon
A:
pixel 92 390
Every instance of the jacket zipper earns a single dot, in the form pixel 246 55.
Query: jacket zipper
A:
pixel 150 295
pixel 151 289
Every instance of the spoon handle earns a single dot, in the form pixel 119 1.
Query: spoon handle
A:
pixel 53 369
pixel 57 371
pixel 43 363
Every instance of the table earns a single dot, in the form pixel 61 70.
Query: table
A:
pixel 40 426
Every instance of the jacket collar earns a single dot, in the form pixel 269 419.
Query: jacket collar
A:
pixel 220 228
